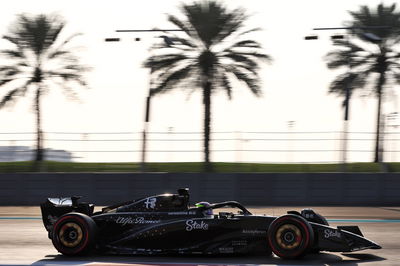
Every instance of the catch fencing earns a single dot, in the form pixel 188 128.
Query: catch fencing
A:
pixel 229 146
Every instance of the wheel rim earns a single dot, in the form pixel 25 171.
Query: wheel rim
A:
pixel 288 236
pixel 70 235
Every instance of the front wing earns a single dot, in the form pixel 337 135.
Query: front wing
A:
pixel 340 240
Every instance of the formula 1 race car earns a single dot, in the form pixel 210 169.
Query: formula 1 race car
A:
pixel 165 224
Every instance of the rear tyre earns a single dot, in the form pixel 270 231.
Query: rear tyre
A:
pixel 74 234
pixel 290 236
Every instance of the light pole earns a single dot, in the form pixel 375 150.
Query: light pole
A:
pixel 168 41
pixel 368 36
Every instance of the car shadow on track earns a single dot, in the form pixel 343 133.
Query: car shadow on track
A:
pixel 311 259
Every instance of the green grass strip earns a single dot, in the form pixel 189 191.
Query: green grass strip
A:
pixel 219 167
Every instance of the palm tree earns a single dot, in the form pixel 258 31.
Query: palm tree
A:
pixel 211 53
pixel 369 62
pixel 37 60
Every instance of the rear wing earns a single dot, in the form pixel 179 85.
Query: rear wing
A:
pixel 53 208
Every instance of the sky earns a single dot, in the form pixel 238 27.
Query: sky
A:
pixel 294 87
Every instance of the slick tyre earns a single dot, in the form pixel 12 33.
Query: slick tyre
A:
pixel 290 236
pixel 74 234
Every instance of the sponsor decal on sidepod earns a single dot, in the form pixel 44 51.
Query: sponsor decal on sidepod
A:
pixel 137 220
pixel 193 225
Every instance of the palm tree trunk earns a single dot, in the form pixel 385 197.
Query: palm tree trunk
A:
pixel 378 152
pixel 39 137
pixel 207 119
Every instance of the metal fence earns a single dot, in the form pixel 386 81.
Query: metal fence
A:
pixel 229 146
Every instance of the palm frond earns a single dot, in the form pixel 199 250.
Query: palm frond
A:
pixel 350 46
pixel 183 26
pixel 244 68
pixel 382 16
pixel 245 44
pixel 36 33
pixel 226 85
pixel 13 54
pixel 58 53
pixel 184 42
pixel 67 90
pixel 11 39
pixel 9 97
pixel 256 55
pixel 9 71
pixel 61 49
pixel 171 80
pixel 212 21
pixel 8 74
pixel 73 68
pixel 238 58
pixel 234 22
pixel 347 81
pixel 15 40
pixel 353 57
pixel 13 94
pixel 159 62
pixel 200 55
pixel 65 75
pixel 68 40
pixel 396 76
pixel 249 31
pixel 251 81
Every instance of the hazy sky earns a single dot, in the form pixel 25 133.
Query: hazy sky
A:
pixel 294 86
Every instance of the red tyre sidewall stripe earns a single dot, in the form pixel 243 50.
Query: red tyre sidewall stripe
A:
pixel 86 232
pixel 307 238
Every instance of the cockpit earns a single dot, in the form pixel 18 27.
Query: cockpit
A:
pixel 158 203
pixel 174 203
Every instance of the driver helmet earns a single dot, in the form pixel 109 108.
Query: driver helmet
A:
pixel 204 204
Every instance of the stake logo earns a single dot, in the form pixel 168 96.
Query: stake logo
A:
pixel 193 225
pixel 331 233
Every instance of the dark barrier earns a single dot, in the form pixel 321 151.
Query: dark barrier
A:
pixel 270 189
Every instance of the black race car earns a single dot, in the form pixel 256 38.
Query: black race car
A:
pixel 165 224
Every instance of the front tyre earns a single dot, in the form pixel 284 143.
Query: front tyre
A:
pixel 290 236
pixel 74 234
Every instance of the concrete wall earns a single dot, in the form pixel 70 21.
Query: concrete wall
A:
pixel 379 189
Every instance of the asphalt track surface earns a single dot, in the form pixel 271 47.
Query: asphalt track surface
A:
pixel 23 240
